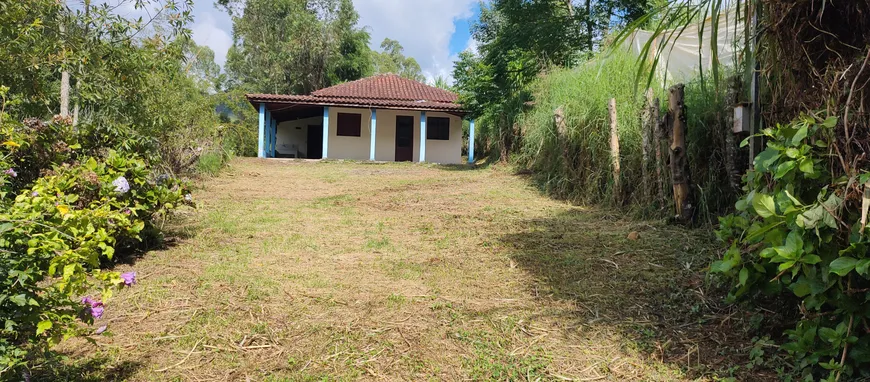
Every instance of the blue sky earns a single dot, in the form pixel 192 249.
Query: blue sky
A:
pixel 434 32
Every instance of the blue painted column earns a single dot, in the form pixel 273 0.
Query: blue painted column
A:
pixel 471 142
pixel 261 138
pixel 422 136
pixel 268 148
pixel 325 130
pixel 374 134
pixel 274 137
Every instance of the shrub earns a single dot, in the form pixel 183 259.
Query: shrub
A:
pixel 64 210
pixel 796 234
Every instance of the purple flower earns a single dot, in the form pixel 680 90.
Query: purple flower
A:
pixel 121 185
pixel 127 211
pixel 101 329
pixel 93 307
pixel 11 172
pixel 129 278
pixel 87 300
pixel 97 311
pixel 34 194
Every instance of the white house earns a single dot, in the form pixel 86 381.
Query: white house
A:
pixel 380 118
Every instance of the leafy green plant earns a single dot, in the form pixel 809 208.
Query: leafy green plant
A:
pixel 62 214
pixel 794 235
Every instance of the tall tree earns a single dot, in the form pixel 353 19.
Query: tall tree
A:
pixel 392 59
pixel 295 46
pixel 517 40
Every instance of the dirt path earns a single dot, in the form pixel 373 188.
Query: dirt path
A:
pixel 344 271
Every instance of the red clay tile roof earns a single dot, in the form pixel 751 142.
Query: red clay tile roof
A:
pixel 354 102
pixel 384 90
pixel 388 87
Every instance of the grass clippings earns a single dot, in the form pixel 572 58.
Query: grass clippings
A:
pixel 303 271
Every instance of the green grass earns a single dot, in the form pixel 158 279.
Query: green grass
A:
pixel 578 165
pixel 211 163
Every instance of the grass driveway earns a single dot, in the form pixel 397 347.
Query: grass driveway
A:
pixel 304 271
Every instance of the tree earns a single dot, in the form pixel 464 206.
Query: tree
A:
pixel 295 46
pixel 392 59
pixel 517 40
pixel 441 83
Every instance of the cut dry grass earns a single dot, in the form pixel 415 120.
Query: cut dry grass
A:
pixel 296 271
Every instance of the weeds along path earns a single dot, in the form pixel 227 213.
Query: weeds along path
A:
pixel 327 270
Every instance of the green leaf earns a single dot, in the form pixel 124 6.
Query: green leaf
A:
pixel 799 135
pixel 811 259
pixel 764 205
pixel 829 335
pixel 766 158
pixel 720 266
pixel 6 227
pixel 806 166
pixel 743 276
pixel 19 299
pixel 830 122
pixel 843 265
pixel 784 168
pixel 862 266
pixel 42 326
pixel 801 287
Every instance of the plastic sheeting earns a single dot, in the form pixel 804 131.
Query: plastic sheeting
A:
pixel 682 57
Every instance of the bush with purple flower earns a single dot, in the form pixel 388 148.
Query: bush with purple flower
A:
pixel 122 186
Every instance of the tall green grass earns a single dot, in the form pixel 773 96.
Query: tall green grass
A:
pixel 580 169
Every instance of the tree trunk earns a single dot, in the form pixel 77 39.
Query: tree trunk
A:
pixel 614 150
pixel 589 23
pixel 680 176
pixel 64 94
pixel 506 132
pixel 64 84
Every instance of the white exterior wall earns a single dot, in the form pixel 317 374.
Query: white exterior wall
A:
pixel 357 148
pixel 446 152
pixel 350 147
pixel 295 133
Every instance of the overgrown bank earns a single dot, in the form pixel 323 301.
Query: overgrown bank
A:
pixel 576 163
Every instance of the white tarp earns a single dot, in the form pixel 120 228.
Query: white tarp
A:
pixel 681 58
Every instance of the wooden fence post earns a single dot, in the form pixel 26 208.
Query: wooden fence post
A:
pixel 680 176
pixel 660 137
pixel 647 126
pixel 614 150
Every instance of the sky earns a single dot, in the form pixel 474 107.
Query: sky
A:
pixel 434 32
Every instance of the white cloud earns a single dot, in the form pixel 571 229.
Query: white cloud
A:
pixel 207 31
pixel 423 27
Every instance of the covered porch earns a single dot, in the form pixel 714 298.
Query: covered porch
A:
pixel 380 118
pixel 292 130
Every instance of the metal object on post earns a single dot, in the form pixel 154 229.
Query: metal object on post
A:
pixel 741 118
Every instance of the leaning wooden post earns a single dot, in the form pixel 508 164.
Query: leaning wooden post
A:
pixel 679 160
pixel 614 150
